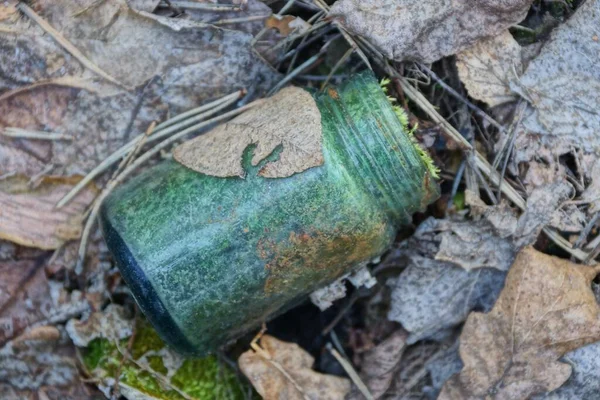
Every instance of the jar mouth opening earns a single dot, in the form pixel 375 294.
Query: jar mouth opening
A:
pixel 378 149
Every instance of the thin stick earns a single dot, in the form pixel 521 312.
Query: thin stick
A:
pixel 139 161
pixel 338 64
pixel 322 5
pixel 241 19
pixel 161 378
pixel 511 145
pixel 68 46
pixel 291 38
pixel 586 231
pixel 295 72
pixel 351 372
pixel 481 163
pixel 192 5
pixel 138 147
pixel 353 44
pixel 458 96
pixel 40 135
pixel 456 183
pixel 177 122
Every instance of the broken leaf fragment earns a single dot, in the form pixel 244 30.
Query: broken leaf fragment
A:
pixel 546 309
pixel 286 24
pixel 290 120
pixel 28 216
pixel 487 68
pixel 282 370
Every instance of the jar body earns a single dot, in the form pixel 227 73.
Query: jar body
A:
pixel 209 258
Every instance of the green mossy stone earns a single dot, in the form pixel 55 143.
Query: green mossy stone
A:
pixel 210 258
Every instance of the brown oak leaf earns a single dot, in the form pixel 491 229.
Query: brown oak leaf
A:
pixel 546 309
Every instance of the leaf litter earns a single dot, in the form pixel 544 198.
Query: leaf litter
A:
pixel 454 268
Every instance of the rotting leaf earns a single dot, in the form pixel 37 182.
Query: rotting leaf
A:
pixel 487 68
pixel 289 119
pixel 281 370
pixel 28 216
pixel 431 296
pixel 143 366
pixel 546 309
pixel 427 30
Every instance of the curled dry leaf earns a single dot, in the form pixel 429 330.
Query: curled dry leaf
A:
pixel 28 216
pixel 281 370
pixel 546 309
pixel 427 30
pixel 290 119
pixel 487 68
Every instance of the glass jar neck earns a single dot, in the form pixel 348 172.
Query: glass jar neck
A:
pixel 360 122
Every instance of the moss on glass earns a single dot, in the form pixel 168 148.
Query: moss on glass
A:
pixel 209 258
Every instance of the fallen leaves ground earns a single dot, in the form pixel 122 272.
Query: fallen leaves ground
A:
pixel 490 294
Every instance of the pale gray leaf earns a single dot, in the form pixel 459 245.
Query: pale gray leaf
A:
pixel 584 382
pixel 431 296
pixel 427 30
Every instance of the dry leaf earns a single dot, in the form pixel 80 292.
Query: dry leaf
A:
pixel 42 367
pixel 584 382
pixel 286 24
pixel 380 365
pixel 35 355
pixel 441 368
pixel 289 119
pixel 546 309
pixel 112 324
pixel 487 68
pixel 280 370
pixel 427 30
pixel 28 298
pixel 562 85
pixel 28 216
pixel 430 296
pixel 173 69
pixel 453 267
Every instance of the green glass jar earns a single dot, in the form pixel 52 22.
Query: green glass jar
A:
pixel 209 258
